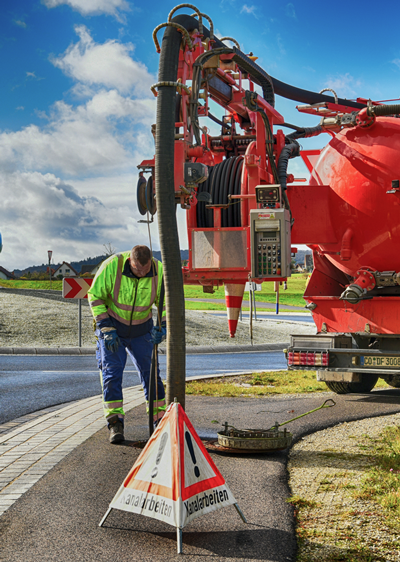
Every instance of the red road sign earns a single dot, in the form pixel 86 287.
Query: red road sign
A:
pixel 76 287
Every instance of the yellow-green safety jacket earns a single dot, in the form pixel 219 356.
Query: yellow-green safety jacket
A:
pixel 119 299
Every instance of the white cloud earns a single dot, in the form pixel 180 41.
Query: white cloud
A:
pixel 98 142
pixel 290 11
pixel 249 10
pixel 396 62
pixel 87 7
pixel 92 137
pixel 74 219
pixel 108 64
pixel 20 23
pixel 346 86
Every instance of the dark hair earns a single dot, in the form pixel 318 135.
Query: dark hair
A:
pixel 141 254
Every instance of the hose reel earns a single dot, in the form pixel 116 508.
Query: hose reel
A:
pixel 223 179
pixel 145 196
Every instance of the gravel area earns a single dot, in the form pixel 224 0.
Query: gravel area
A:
pixel 28 321
pixel 326 468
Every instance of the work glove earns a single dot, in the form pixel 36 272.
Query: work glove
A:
pixel 111 339
pixel 158 334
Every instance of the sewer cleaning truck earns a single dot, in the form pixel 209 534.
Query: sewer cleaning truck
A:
pixel 245 211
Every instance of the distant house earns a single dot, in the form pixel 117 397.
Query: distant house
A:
pixel 4 274
pixel 65 270
pixel 52 271
pixel 88 270
pixel 96 267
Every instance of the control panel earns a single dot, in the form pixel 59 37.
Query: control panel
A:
pixel 270 243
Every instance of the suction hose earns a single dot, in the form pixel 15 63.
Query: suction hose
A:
pixel 169 239
pixel 382 110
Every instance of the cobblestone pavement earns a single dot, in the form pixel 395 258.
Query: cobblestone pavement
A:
pixel 29 450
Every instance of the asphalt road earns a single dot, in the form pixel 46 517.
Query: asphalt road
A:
pixel 58 518
pixel 31 383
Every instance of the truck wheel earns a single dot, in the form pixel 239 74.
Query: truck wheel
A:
pixel 393 380
pixel 353 387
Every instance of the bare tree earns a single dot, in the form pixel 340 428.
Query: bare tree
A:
pixel 110 250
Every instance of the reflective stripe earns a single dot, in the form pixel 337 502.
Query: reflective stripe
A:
pixel 127 322
pixel 110 405
pixel 101 316
pixel 158 416
pixel 113 414
pixel 117 285
pixel 123 306
pixel 109 412
pixel 96 303
pixel 141 308
pixel 158 407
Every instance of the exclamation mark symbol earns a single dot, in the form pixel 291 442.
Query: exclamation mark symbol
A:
pixel 191 451
pixel 161 448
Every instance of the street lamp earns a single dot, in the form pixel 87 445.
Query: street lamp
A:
pixel 49 253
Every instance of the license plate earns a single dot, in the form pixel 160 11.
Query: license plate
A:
pixel 379 361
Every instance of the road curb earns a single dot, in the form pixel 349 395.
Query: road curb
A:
pixel 190 350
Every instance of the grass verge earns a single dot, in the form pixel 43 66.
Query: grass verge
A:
pixel 382 483
pixel 29 284
pixel 293 296
pixel 260 384
pixel 354 513
pixel 257 384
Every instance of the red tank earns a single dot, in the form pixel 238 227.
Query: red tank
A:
pixel 359 165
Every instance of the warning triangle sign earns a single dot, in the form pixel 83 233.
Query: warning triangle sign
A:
pixel 174 479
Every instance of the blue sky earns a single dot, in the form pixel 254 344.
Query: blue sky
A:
pixel 76 108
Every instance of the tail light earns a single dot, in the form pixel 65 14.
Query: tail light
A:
pixel 308 358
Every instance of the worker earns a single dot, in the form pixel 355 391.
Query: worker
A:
pixel 121 298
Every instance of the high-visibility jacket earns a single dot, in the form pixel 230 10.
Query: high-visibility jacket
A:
pixel 120 299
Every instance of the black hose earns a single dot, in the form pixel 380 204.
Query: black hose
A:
pixel 306 132
pixel 169 239
pixel 289 151
pixel 216 120
pixel 259 75
pixel 305 96
pixel 224 179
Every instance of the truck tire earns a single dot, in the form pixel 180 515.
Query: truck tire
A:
pixel 393 380
pixel 353 387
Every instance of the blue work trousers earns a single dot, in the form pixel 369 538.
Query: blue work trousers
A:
pixel 112 366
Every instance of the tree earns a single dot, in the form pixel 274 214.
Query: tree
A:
pixel 109 249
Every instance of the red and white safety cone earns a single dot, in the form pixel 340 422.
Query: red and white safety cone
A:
pixel 233 297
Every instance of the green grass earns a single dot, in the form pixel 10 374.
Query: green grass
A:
pixel 31 284
pixel 382 483
pixel 205 306
pixel 293 296
pixel 262 384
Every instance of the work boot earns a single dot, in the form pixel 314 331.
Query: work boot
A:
pixel 116 428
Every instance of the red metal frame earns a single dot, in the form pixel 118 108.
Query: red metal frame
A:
pixel 256 170
pixel 321 212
